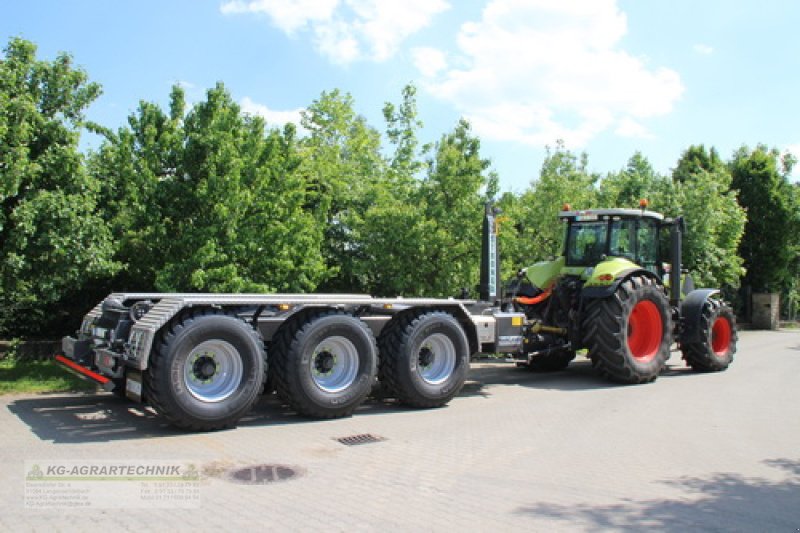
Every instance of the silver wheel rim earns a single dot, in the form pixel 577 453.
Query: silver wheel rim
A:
pixel 334 364
pixel 436 359
pixel 213 371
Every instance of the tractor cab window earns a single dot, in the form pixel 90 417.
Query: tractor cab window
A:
pixel 647 239
pixel 623 239
pixel 635 239
pixel 586 243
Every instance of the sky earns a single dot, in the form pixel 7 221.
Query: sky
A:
pixel 606 77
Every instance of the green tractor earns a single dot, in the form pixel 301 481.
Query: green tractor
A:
pixel 619 292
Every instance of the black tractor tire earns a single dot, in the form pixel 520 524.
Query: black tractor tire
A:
pixel 630 332
pixel 714 351
pixel 324 363
pixel 552 362
pixel 424 358
pixel 206 371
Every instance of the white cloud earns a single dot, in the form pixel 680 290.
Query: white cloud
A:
pixel 703 49
pixel 630 128
pixel 347 30
pixel 273 117
pixel 429 61
pixel 535 71
pixel 288 15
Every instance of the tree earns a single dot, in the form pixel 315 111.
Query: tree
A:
pixel 714 219
pixel 772 234
pixel 52 240
pixel 533 231
pixel 342 167
pixel 209 202
pixel 134 167
pixel 635 182
pixel 454 191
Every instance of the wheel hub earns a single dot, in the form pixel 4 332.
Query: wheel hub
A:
pixel 204 367
pixel 334 364
pixel 213 370
pixel 426 356
pixel 324 362
pixel 436 359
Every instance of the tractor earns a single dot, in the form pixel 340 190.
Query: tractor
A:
pixel 620 293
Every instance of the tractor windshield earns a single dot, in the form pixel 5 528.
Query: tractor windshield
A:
pixel 634 239
pixel 586 243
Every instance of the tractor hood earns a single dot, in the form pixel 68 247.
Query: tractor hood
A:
pixel 607 271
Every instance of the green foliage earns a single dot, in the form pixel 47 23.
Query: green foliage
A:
pixel 533 231
pixel 52 240
pixel 421 236
pixel 635 182
pixel 213 202
pixel 343 168
pixel 714 219
pixel 453 194
pixel 772 235
pixel 26 377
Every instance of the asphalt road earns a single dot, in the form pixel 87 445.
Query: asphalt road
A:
pixel 515 451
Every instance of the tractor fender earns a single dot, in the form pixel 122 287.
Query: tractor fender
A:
pixel 593 293
pixel 691 311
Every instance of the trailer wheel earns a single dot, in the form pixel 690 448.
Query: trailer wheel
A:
pixel 714 351
pixel 424 358
pixel 325 364
pixel 207 370
pixel 629 333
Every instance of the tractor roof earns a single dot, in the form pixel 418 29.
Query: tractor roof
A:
pixel 604 214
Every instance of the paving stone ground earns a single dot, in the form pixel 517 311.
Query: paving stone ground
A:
pixel 514 451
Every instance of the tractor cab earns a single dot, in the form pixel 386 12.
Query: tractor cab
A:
pixel 597 235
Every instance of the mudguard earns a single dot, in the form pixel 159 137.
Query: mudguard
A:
pixel 691 311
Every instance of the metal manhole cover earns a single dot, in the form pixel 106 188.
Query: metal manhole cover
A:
pixel 354 440
pixel 263 474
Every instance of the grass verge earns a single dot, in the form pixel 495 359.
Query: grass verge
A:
pixel 23 377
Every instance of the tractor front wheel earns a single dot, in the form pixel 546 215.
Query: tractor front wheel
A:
pixel 717 339
pixel 629 333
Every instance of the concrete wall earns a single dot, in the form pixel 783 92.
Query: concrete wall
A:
pixel 766 311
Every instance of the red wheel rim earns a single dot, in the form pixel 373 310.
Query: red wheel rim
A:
pixel 721 333
pixel 644 331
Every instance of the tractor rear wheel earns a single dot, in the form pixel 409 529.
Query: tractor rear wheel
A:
pixel 629 333
pixel 714 351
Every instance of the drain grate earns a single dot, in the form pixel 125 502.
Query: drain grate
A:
pixel 355 440
pixel 262 474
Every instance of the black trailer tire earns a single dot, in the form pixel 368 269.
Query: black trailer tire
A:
pixel 629 333
pixel 324 363
pixel 424 358
pixel 714 351
pixel 207 370
pixel 552 362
